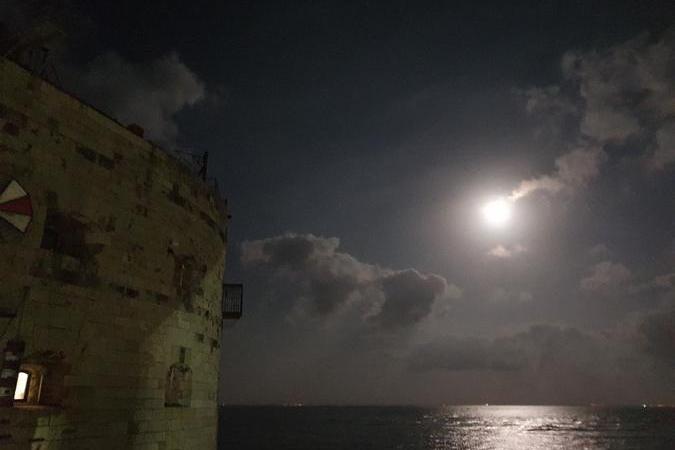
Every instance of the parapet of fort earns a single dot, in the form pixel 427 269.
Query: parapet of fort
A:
pixel 112 256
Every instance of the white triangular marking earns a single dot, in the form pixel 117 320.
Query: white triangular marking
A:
pixel 19 221
pixel 12 192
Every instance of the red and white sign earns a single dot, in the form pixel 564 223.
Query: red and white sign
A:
pixel 16 206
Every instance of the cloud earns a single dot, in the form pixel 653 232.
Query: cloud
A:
pixel 537 348
pixel 290 250
pixel 663 283
pixel 599 251
pixel 626 89
pixel 556 112
pixel 658 331
pixel 409 296
pixel 621 93
pixel 502 295
pixel 505 252
pixel 573 170
pixel 630 362
pixel 312 273
pixel 148 93
pixel 606 277
pixel 664 151
pixel 548 100
pixel 457 354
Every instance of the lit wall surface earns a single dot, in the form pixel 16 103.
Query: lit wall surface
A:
pixel 113 275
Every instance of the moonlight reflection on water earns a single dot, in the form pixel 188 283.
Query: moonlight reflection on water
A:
pixel 534 427
pixel 452 427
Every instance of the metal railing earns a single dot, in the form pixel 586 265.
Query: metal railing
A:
pixel 233 299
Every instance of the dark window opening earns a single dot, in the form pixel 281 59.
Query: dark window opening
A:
pixel 178 391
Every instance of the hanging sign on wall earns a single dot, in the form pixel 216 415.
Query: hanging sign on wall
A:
pixel 16 206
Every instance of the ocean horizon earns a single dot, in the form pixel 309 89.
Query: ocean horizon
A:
pixel 441 405
pixel 470 427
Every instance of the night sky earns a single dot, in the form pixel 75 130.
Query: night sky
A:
pixel 357 143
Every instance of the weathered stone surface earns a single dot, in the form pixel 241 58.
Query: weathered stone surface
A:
pixel 116 284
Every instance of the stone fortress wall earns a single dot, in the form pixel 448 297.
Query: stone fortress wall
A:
pixel 115 285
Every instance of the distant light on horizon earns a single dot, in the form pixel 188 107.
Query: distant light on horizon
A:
pixel 497 212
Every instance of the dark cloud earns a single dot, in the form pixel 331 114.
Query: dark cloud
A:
pixel 409 296
pixel 458 354
pixel 599 251
pixel 290 251
pixel 626 89
pixel 664 149
pixel 539 347
pixel 658 331
pixel 19 18
pixel 606 277
pixel 319 276
pixel 619 95
pixel 663 281
pixel 503 296
pixel 564 362
pixel 148 93
pixel 327 279
pixel 549 101
pixel 542 346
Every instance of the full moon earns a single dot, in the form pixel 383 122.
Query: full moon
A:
pixel 497 212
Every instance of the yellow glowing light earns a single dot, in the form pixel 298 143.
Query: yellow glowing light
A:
pixel 21 386
pixel 497 212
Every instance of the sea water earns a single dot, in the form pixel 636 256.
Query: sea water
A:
pixel 448 427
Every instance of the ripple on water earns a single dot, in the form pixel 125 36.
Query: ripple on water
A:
pixel 456 428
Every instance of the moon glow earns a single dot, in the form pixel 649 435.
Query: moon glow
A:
pixel 497 213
